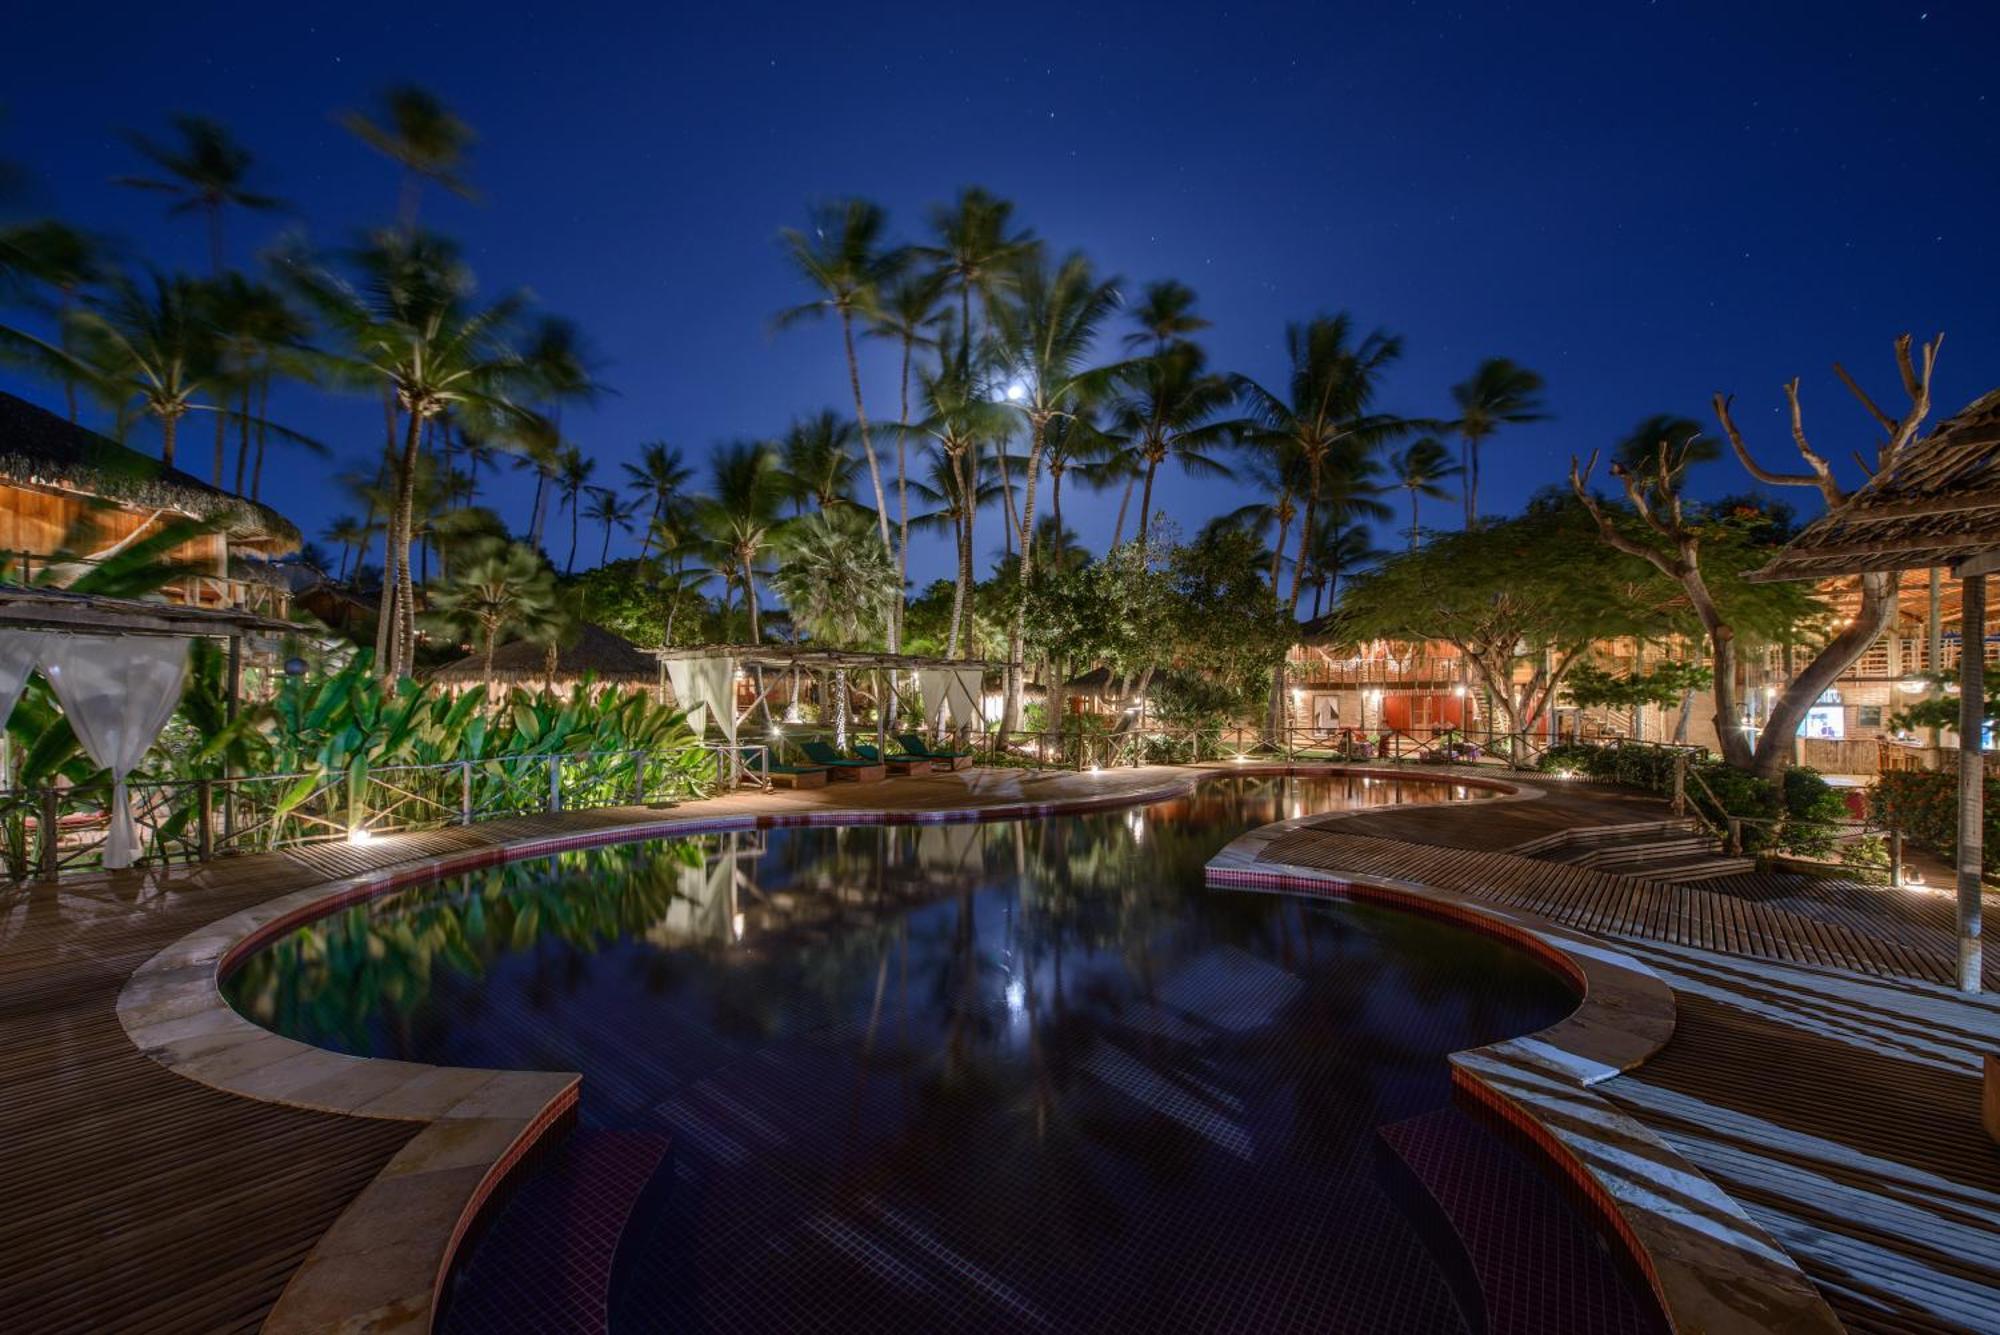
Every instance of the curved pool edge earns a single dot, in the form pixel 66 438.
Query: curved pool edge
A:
pixel 383 1264
pixel 1711 1267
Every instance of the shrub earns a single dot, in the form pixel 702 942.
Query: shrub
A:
pixel 1923 804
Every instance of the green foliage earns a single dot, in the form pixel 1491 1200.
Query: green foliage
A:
pixel 1800 814
pixel 1923 804
pixel 1589 686
pixel 1940 710
pixel 1222 620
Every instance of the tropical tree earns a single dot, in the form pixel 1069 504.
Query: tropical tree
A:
pixel 1500 393
pixel 959 419
pixel 740 515
pixel 817 455
pixel 412 327
pixel 659 480
pixel 1044 346
pixel 507 590
pixel 572 480
pixel 206 172
pixel 354 537
pixel 1170 413
pixel 613 511
pixel 258 336
pixel 1325 418
pixel 414 129
pixel 1165 316
pixel 838 584
pixel 976 252
pixel 1077 444
pixel 845 259
pixel 48 266
pixel 909 313
pixel 1420 468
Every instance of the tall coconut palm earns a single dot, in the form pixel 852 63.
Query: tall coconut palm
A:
pixel 1324 417
pixel 977 252
pixel 1170 412
pixel 817 455
pixel 959 419
pixel 847 261
pixel 739 516
pixel 557 363
pixel 572 480
pixel 353 536
pixel 1500 393
pixel 1341 548
pixel 148 345
pixel 1079 446
pixel 502 591
pixel 908 312
pixel 415 130
pixel 1165 316
pixel 206 172
pixel 1421 468
pixel 1045 344
pixel 411 325
pixel 611 510
pixel 259 336
pixel 838 584
pixel 659 481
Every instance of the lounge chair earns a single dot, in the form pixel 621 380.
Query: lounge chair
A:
pixel 840 766
pixel 796 776
pixel 896 764
pixel 913 745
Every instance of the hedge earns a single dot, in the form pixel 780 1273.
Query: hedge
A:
pixel 1800 815
pixel 1923 804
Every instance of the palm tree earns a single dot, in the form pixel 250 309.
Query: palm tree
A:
pixel 838 585
pixel 1420 468
pixel 1684 440
pixel 411 326
pixel 845 260
pixel 538 448
pixel 420 134
pixel 1076 444
pixel 572 478
pixel 146 345
pixel 660 481
pixel 738 517
pixel 558 366
pixel 1340 548
pixel 976 253
pixel 608 508
pixel 908 312
pixel 65 261
pixel 1165 315
pixel 259 336
pixel 206 173
pixel 1323 419
pixel 818 461
pixel 1498 393
pixel 1045 344
pixel 353 536
pixel 1170 413
pixel 511 589
pixel 958 419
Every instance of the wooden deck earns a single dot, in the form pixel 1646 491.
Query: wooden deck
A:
pixel 1822 1072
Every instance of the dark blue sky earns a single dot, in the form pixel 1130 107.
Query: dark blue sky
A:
pixel 1644 201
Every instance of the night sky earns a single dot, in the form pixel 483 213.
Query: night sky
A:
pixel 1644 201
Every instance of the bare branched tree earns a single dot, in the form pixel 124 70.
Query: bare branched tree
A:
pixel 1671 540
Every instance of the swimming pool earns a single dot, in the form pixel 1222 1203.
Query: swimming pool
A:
pixel 1009 1075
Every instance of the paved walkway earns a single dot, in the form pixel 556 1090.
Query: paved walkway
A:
pixel 1819 1072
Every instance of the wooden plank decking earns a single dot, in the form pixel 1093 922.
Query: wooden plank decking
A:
pixel 1822 1071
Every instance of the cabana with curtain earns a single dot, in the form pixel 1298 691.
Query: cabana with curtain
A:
pixel 1936 505
pixel 117 667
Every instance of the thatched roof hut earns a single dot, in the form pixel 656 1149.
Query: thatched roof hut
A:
pixel 607 658
pixel 51 469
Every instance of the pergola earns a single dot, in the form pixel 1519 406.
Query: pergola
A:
pixel 1937 506
pixel 704 678
pixel 117 666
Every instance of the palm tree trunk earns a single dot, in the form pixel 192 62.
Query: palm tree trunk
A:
pixel 221 440
pixel 398 589
pixel 1278 547
pixel 168 426
pixel 867 443
pixel 1055 508
pixel 902 504
pixel 1010 712
pixel 750 594
pixel 604 557
pixel 1006 497
pixel 1414 529
pixel 263 417
pixel 1305 537
pixel 243 438
pixel 570 564
pixel 1145 500
pixel 1118 530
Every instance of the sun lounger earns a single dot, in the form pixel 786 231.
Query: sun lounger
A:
pixel 913 745
pixel 896 764
pixel 797 776
pixel 844 767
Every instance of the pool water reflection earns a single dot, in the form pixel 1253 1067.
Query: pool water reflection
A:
pixel 1025 1075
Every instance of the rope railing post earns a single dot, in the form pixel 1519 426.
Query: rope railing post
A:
pixel 555 784
pixel 638 778
pixel 204 844
pixel 465 792
pixel 47 818
pixel 1896 858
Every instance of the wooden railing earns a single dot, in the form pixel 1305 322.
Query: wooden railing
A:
pixel 188 590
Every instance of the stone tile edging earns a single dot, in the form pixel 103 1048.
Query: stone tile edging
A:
pixel 382 1265
pixel 1710 1266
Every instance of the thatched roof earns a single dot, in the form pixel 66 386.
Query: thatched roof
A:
pixel 40 448
pixel 806 657
pixel 1938 504
pixel 596 652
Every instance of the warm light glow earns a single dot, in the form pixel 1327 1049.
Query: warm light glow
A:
pixel 1095 768
pixel 360 834
pixel 1016 392
pixel 1458 690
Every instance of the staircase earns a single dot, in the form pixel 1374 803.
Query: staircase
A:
pixel 1670 851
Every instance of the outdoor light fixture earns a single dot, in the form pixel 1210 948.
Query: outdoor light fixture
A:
pixel 1912 685
pixel 360 834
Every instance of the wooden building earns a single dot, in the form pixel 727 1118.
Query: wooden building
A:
pixel 69 496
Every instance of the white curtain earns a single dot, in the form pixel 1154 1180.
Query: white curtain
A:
pixel 933 684
pixel 117 692
pixel 967 684
pixel 18 651
pixel 707 685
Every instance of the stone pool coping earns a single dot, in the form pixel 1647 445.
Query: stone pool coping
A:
pixel 383 1264
pixel 1710 1266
